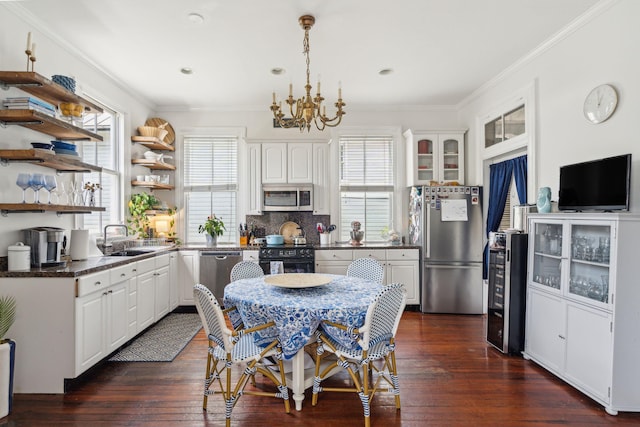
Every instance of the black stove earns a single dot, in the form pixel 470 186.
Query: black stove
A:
pixel 294 258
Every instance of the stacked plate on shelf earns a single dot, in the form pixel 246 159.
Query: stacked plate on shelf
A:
pixel 64 148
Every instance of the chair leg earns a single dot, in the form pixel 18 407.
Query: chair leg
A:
pixel 207 382
pixel 394 378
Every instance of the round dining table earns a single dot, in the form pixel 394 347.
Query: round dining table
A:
pixel 297 306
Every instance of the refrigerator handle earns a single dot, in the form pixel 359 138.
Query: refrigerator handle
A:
pixel 427 228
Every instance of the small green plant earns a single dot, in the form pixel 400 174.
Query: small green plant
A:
pixel 7 314
pixel 139 222
pixel 213 226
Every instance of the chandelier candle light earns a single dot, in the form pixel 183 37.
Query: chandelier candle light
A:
pixel 307 109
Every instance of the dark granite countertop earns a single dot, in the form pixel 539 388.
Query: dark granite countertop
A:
pixel 100 263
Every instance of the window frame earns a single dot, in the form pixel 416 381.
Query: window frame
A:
pixel 393 189
pixel 184 191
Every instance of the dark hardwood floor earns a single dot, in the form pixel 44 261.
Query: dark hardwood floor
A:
pixel 449 376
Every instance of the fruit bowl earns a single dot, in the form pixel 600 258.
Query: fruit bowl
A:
pixel 71 109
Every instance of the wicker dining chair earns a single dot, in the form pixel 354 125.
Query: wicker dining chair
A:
pixel 230 347
pixel 374 354
pixel 366 268
pixel 246 270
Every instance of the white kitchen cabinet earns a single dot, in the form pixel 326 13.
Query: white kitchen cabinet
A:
pixel 174 288
pixel 582 303
pixel 400 266
pixel 101 320
pixel 333 261
pixel 321 191
pixel 434 157
pixel 161 286
pixel 146 293
pixel 274 163
pixel 189 275
pixel 128 275
pixel 403 266
pixel 284 163
pixel 254 169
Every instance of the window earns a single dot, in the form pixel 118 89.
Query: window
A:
pixel 505 127
pixel 105 153
pixel 366 185
pixel 210 184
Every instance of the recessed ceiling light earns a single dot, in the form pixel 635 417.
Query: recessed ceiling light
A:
pixel 385 71
pixel 196 18
pixel 186 70
pixel 277 71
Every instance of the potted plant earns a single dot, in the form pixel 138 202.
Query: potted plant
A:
pixel 139 222
pixel 7 353
pixel 213 227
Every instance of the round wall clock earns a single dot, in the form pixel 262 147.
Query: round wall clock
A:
pixel 600 104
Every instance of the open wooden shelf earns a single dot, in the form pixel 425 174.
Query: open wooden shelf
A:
pixel 6 208
pixel 153 165
pixel 47 158
pixel 152 143
pixel 46 124
pixel 43 88
pixel 152 185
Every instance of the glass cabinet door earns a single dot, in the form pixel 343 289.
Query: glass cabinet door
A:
pixel 425 160
pixel 589 261
pixel 451 159
pixel 547 254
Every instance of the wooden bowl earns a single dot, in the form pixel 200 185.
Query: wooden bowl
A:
pixel 152 131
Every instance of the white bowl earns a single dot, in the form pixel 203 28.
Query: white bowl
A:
pixel 150 155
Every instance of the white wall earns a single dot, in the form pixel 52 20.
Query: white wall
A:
pixel 602 49
pixel 52 58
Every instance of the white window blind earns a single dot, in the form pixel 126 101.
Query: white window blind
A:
pixel 210 184
pixel 366 184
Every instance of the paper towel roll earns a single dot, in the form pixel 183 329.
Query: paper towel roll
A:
pixel 79 245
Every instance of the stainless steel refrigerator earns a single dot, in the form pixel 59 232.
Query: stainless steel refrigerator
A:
pixel 447 223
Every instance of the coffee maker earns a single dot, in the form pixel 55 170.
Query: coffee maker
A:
pixel 46 246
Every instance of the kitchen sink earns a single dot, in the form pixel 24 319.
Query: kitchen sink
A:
pixel 129 252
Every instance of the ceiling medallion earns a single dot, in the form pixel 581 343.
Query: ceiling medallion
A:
pixel 307 110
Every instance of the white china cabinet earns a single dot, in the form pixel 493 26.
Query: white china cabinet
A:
pixel 583 303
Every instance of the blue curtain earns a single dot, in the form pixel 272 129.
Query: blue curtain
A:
pixel 520 175
pixel 499 180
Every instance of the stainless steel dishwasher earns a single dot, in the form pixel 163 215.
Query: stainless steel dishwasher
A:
pixel 215 269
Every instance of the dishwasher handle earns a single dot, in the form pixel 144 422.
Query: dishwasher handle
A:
pixel 220 254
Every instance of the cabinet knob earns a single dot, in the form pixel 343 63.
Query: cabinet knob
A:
pixel 97 283
pixel 561 337
pixel 122 274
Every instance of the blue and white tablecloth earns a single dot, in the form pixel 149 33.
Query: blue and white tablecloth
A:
pixel 298 312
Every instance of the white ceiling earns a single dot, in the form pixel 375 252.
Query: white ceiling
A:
pixel 440 50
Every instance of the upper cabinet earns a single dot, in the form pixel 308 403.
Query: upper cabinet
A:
pixel 43 88
pixel 434 157
pixel 284 163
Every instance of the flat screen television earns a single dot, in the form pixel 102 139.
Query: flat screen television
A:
pixel 601 184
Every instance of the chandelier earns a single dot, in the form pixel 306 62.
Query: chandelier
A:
pixel 307 110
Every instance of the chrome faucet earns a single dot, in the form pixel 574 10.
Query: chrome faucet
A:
pixel 104 242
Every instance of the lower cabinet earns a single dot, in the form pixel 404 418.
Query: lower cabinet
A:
pixel 162 284
pixel 400 266
pixel 101 320
pixel 146 293
pixel 188 275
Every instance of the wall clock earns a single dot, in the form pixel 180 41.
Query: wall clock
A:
pixel 600 104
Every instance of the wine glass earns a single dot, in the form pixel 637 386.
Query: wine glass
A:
pixel 23 182
pixel 78 188
pixel 50 184
pixel 36 183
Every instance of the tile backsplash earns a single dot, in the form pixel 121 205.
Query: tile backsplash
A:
pixel 271 222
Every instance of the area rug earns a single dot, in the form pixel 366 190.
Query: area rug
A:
pixel 163 342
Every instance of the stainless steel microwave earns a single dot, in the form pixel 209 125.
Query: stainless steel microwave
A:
pixel 287 197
